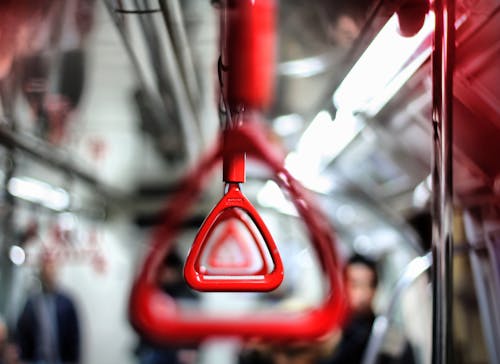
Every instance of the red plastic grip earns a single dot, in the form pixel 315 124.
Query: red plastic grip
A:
pixel 233 161
pixel 200 280
pixel 158 317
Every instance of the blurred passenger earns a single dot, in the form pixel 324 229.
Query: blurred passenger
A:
pixel 306 352
pixel 8 350
pixel 259 351
pixel 171 281
pixel 297 353
pixel 48 329
pixel 346 346
pixel 361 281
pixel 256 352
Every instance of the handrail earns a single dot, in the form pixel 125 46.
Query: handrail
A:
pixel 442 181
pixel 53 158
pixel 380 326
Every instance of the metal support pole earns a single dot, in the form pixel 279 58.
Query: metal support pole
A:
pixel 6 233
pixel 54 159
pixel 189 125
pixel 382 323
pixel 128 47
pixel 188 118
pixel 442 181
pixel 174 19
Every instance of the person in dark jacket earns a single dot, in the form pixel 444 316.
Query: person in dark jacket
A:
pixel 361 280
pixel 48 330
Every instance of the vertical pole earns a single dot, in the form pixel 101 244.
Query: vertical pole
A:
pixel 6 233
pixel 442 180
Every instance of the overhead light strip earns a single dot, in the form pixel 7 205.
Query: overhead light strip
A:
pixel 383 64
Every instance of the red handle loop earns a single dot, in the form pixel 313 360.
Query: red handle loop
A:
pixel 156 315
pixel 196 275
pixel 198 278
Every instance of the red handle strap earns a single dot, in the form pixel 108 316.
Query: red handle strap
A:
pixel 198 279
pixel 196 275
pixel 249 54
pixel 156 315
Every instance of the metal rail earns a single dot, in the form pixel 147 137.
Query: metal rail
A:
pixel 380 327
pixel 172 15
pixel 128 47
pixel 486 277
pixel 188 124
pixel 442 181
pixel 53 158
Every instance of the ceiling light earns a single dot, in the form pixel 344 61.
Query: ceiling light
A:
pixel 388 62
pixel 321 142
pixel 422 193
pixel 271 196
pixel 39 192
pixel 286 125
pixel 17 255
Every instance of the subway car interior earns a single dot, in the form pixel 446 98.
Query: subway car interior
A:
pixel 249 181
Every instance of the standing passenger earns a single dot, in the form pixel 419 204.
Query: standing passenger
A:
pixel 361 280
pixel 48 328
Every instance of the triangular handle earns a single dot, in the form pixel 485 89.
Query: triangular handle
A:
pixel 232 217
pixel 201 280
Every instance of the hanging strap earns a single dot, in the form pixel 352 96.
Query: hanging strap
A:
pixel 157 316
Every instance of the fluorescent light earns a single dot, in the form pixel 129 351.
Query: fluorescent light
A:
pixel 288 124
pixel 422 192
pixel 325 138
pixel 17 255
pixel 421 195
pixel 306 162
pixel 306 67
pixel 417 266
pixel 383 68
pixel 271 196
pixel 322 141
pixel 39 192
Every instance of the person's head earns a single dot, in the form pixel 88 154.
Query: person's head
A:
pixel 171 269
pixel 361 280
pixel 48 271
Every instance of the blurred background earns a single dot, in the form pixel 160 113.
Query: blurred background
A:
pixel 106 104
